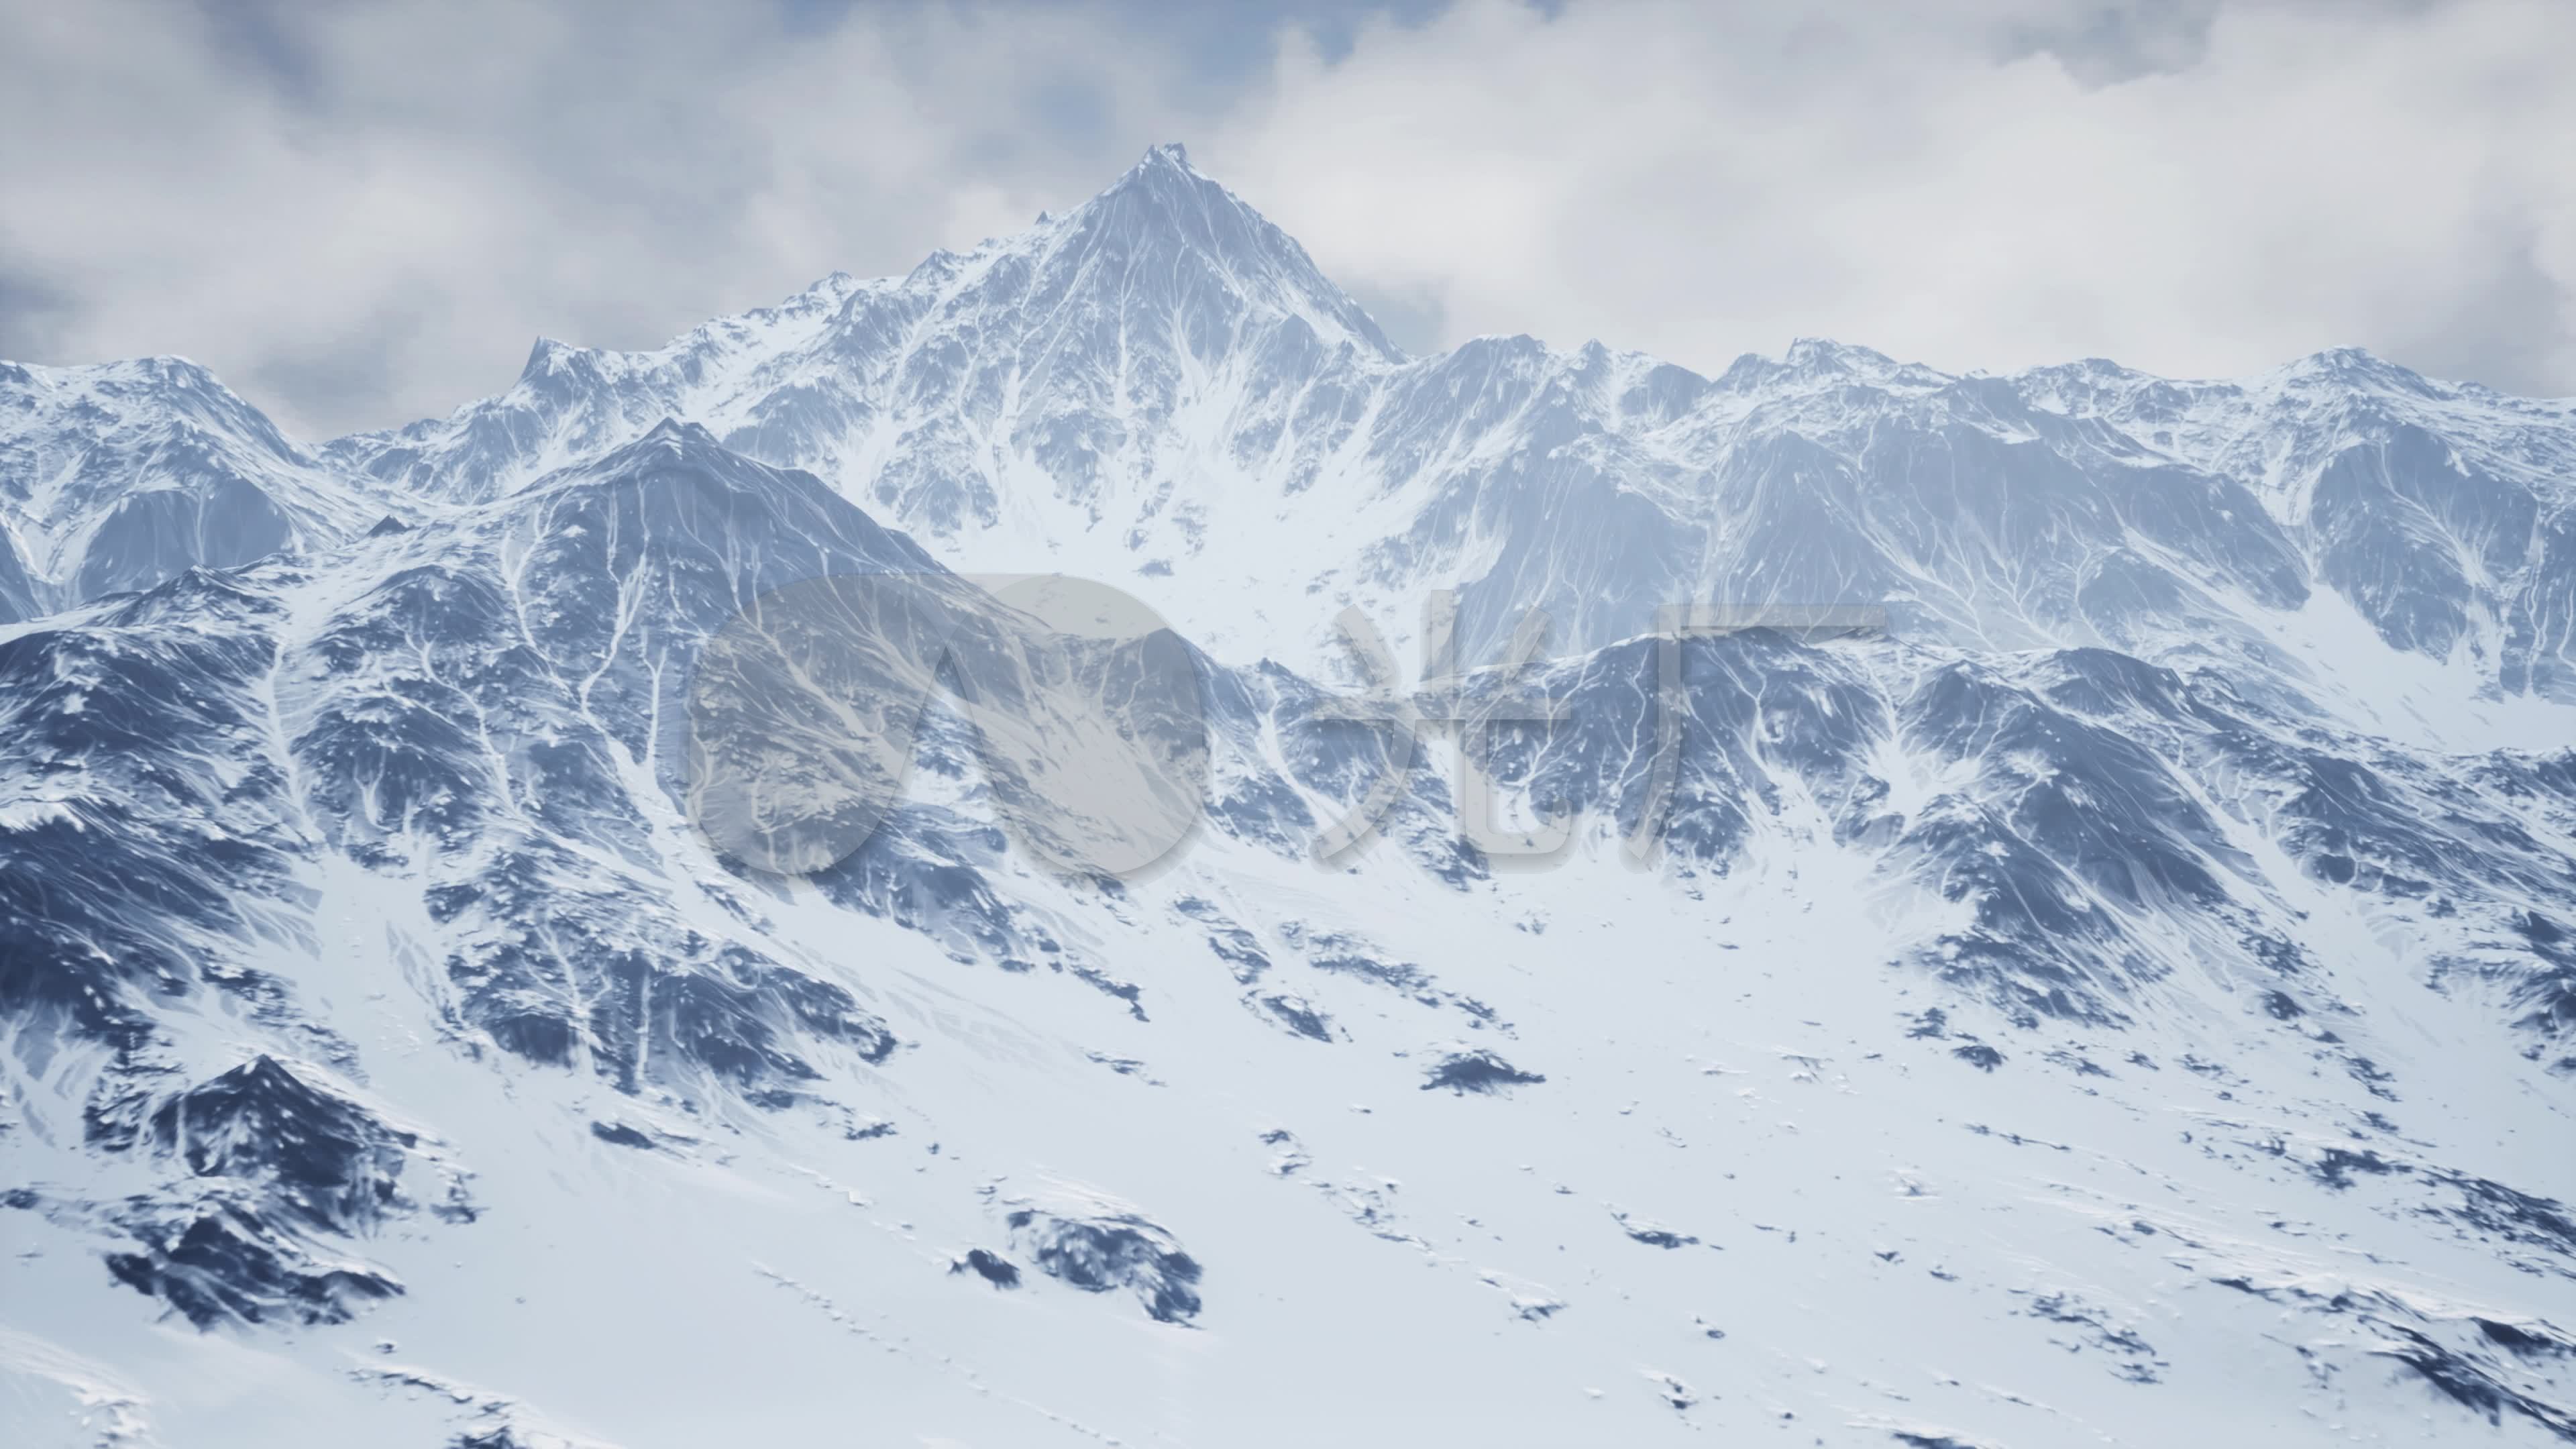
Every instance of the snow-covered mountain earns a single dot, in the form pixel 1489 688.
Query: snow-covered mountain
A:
pixel 2129 998
pixel 118 477
pixel 1159 386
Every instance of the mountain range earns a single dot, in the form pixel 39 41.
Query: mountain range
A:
pixel 2123 991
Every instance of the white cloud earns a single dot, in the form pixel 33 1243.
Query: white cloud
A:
pixel 1699 181
pixel 383 238
pixel 360 213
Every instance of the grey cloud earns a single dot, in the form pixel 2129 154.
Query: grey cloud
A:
pixel 275 192
pixel 2110 43
pixel 363 212
pixel 34 314
pixel 2510 330
pixel 2191 189
pixel 1413 319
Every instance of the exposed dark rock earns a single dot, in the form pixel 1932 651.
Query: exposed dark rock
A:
pixel 999 1271
pixel 1476 1071
pixel 1112 1250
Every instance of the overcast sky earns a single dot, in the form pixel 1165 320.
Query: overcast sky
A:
pixel 362 213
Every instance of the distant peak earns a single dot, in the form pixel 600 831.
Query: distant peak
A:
pixel 674 432
pixel 179 371
pixel 549 356
pixel 1165 171
pixel 831 291
pixel 1813 362
pixel 160 370
pixel 2358 368
pixel 1168 207
pixel 2347 361
pixel 1826 352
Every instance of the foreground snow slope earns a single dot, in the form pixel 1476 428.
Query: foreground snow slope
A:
pixel 2130 1000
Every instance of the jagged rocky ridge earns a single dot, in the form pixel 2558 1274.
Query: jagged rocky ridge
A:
pixel 1160 384
pixel 354 924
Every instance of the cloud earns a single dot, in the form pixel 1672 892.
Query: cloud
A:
pixel 2197 192
pixel 359 213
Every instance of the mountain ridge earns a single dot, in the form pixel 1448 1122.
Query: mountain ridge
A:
pixel 2113 999
pixel 1182 411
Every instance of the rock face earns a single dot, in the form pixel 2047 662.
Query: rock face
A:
pixel 17 590
pixel 614 890
pixel 1105 1250
pixel 118 477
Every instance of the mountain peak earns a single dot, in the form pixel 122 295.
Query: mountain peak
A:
pixel 1165 176
pixel 1167 209
pixel 676 436
pixel 136 395
pixel 2348 370
pixel 2347 359
pixel 159 373
pixel 549 355
pixel 1825 352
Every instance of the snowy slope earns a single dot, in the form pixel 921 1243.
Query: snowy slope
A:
pixel 2129 1000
